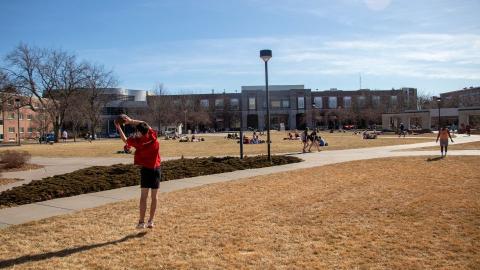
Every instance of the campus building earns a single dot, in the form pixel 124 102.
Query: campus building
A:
pixel 291 107
pixel 20 121
pixel 456 108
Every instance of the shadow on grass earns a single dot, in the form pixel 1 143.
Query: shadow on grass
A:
pixel 434 159
pixel 64 252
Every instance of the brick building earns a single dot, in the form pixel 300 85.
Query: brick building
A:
pixel 18 120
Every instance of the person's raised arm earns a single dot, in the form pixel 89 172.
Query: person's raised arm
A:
pixel 134 122
pixel 120 132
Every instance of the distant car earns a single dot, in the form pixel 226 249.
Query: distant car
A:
pixel 114 135
pixel 47 138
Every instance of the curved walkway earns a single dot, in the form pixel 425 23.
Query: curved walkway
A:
pixel 40 210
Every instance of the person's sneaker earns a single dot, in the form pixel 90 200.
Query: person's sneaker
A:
pixel 141 225
pixel 150 224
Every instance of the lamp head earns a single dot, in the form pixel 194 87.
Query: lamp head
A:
pixel 266 55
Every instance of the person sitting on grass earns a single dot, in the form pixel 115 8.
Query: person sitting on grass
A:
pixel 148 158
pixel 443 135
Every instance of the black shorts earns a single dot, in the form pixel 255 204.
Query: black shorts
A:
pixel 150 178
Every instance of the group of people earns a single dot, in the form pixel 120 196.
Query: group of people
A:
pixel 312 140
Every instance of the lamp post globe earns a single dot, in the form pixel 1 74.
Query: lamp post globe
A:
pixel 266 55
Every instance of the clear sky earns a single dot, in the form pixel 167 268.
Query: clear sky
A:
pixel 199 45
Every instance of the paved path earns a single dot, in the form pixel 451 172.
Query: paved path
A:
pixel 40 210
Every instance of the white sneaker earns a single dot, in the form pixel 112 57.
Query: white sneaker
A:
pixel 140 225
pixel 150 224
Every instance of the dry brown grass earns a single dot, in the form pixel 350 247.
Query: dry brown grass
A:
pixel 213 146
pixel 4 181
pixel 24 167
pixel 403 213
pixel 463 146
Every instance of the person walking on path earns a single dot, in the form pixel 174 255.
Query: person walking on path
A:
pixel 64 135
pixel 148 158
pixel 443 135
pixel 402 130
pixel 304 137
pixel 314 140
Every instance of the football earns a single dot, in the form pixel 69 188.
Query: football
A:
pixel 120 119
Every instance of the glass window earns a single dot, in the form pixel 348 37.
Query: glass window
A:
pixel 376 101
pixel 361 101
pixel 234 104
pixel 276 103
pixel 29 116
pixel 21 116
pixel 393 100
pixel 318 102
pixel 332 102
pixel 252 103
pixel 22 129
pixel 11 130
pixel 301 102
pixel 11 116
pixel 10 102
pixel 30 130
pixel 285 103
pixel 219 103
pixel 204 103
pixel 347 102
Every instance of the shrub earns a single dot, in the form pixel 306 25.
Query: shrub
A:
pixel 99 178
pixel 14 159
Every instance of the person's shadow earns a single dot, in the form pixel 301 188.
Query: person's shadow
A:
pixel 64 252
pixel 434 159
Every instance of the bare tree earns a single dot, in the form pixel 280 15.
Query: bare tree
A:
pixel 96 80
pixel 50 76
pixel 159 106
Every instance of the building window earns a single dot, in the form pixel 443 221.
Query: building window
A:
pixel 318 102
pixel 376 101
pixel 29 117
pixel 30 130
pixel 219 103
pixel 332 102
pixel 11 130
pixel 10 102
pixel 234 104
pixel 22 129
pixel 204 103
pixel 393 100
pixel 347 102
pixel 301 103
pixel 285 103
pixel 361 101
pixel 276 104
pixel 21 116
pixel 11 116
pixel 252 103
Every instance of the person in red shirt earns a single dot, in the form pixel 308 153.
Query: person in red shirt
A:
pixel 148 158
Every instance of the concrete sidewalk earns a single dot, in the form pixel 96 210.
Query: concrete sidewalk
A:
pixel 40 210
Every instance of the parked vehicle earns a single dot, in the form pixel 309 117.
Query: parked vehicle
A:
pixel 47 138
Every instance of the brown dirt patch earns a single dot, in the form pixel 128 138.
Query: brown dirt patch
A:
pixel 402 213
pixel 24 167
pixel 4 181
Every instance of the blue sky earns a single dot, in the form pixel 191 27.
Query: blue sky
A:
pixel 199 45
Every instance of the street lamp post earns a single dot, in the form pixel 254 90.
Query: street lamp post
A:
pixel 438 99
pixel 266 55
pixel 17 102
pixel 185 112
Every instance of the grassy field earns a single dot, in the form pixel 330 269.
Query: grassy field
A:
pixel 463 146
pixel 214 145
pixel 402 213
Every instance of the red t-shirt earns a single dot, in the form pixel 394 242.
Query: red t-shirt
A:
pixel 146 153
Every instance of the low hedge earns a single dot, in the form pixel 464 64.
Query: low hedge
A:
pixel 99 178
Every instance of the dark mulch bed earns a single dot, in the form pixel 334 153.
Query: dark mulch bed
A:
pixel 99 178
